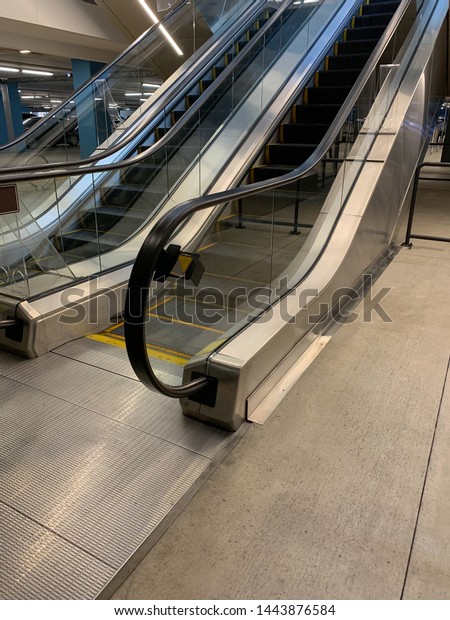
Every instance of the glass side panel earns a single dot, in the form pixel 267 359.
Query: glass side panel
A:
pixel 121 93
pixel 98 221
pixel 29 263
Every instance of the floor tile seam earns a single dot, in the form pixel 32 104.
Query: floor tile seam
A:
pixel 58 535
pixel 102 415
pixel 112 372
pixel 424 484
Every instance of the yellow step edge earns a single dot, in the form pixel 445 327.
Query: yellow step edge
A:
pixel 326 64
pixel 316 79
pixel 305 96
pixel 345 34
pixel 160 353
pixel 336 48
pixel 267 154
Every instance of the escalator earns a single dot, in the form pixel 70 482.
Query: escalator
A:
pixel 92 213
pixel 211 239
pixel 118 203
pixel 245 302
pixel 311 118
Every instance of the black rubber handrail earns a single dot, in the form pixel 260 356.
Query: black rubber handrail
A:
pixel 156 110
pixel 149 254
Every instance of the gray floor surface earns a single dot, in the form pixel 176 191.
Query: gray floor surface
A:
pixel 344 492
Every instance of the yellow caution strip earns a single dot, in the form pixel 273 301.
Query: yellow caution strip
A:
pixel 156 352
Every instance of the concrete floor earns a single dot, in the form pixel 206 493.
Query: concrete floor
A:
pixel 344 492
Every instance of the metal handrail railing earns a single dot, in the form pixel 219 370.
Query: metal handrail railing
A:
pixel 412 209
pixel 146 264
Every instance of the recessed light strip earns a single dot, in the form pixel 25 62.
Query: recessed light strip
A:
pixel 36 72
pixel 156 21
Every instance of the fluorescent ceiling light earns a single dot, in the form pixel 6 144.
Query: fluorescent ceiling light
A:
pixel 150 85
pixel 55 100
pixel 27 96
pixel 36 72
pixel 155 20
pixel 142 99
pixel 25 51
pixel 133 94
pixel 9 70
pixel 97 98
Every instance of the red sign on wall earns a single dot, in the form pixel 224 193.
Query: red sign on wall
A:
pixel 9 202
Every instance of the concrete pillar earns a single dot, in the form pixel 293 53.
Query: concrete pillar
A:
pixel 10 112
pixel 93 119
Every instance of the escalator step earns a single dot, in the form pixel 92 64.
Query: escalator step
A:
pixel 263 173
pixel 341 77
pixel 191 99
pixel 365 21
pixel 354 47
pixel 104 242
pixel 205 84
pixel 357 61
pixel 176 115
pixel 288 154
pixel 378 7
pixel 363 33
pixel 317 114
pixel 216 71
pixel 160 132
pixel 120 195
pixel 239 46
pixel 325 94
pixel 291 133
pixel 228 58
pixel 251 33
pixel 121 212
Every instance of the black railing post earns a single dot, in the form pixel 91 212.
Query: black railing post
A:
pixel 407 243
pixel 240 215
pixel 295 230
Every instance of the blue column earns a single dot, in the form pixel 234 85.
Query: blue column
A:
pixel 10 112
pixel 92 128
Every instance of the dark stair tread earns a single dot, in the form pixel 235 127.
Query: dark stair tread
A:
pixel 353 47
pixel 121 212
pixel 378 7
pixel 91 236
pixel 205 84
pixel 377 19
pixel 343 62
pixel 337 77
pixel 295 133
pixel 288 154
pixel 315 113
pixel 326 94
pixel 191 99
pixel 364 32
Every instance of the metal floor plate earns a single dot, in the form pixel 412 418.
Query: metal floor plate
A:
pixel 91 464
